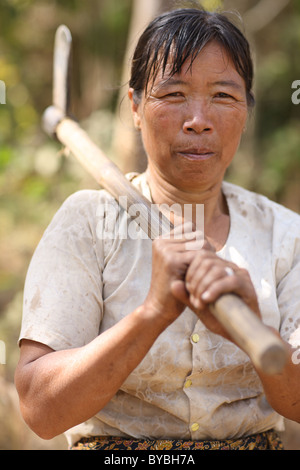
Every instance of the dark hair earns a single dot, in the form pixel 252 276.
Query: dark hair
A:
pixel 183 34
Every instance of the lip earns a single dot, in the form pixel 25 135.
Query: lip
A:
pixel 196 154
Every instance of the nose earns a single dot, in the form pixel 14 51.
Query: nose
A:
pixel 198 119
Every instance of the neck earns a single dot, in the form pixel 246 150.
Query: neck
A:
pixel 211 197
pixel 216 216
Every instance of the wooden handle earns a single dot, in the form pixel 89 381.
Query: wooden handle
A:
pixel 109 176
pixel 264 348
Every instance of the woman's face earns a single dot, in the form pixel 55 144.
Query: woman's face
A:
pixel 192 122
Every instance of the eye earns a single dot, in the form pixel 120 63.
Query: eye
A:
pixel 223 95
pixel 174 94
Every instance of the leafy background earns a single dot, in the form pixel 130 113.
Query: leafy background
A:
pixel 36 174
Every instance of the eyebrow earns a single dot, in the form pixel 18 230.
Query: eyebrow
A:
pixel 227 83
pixel 172 81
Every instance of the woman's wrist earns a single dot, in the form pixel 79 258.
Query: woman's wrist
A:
pixel 153 316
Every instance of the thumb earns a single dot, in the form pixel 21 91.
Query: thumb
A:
pixel 179 291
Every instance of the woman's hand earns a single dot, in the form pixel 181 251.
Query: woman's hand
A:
pixel 187 272
pixel 207 278
pixel 171 256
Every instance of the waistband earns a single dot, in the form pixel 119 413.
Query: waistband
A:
pixel 268 440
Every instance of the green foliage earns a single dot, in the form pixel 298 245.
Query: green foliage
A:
pixel 211 5
pixel 277 130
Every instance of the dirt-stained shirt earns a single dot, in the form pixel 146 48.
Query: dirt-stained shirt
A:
pixel 87 273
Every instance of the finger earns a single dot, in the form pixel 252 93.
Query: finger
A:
pixel 210 271
pixel 195 245
pixel 219 287
pixel 177 231
pixel 175 263
pixel 224 285
pixel 185 231
pixel 200 265
pixel 204 279
pixel 185 241
pixel 179 291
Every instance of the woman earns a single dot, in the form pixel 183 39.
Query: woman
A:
pixel 118 346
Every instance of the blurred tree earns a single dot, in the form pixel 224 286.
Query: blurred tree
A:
pixel 269 158
pixel 126 145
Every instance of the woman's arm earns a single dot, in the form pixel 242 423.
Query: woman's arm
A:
pixel 283 390
pixel 60 389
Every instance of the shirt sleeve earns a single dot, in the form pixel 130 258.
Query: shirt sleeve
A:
pixel 288 283
pixel 63 303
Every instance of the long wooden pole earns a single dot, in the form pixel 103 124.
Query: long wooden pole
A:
pixel 265 349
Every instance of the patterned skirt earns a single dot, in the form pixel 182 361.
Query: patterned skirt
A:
pixel 268 440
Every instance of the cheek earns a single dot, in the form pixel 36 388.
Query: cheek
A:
pixel 162 122
pixel 162 117
pixel 232 129
pixel 158 128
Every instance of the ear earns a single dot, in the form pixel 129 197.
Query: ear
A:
pixel 135 108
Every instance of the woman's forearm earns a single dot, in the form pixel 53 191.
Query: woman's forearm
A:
pixel 61 389
pixel 283 390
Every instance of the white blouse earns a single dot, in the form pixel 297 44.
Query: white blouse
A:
pixel 85 276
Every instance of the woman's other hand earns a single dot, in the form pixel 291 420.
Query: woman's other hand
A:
pixel 208 277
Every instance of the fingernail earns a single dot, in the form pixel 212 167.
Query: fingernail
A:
pixel 195 301
pixel 205 295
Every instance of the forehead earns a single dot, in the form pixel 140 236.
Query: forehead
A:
pixel 212 62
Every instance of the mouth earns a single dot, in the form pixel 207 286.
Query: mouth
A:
pixel 196 154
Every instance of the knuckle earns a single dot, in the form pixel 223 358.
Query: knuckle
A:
pixel 202 258
pixel 169 259
pixel 244 276
pixel 208 247
pixel 244 272
pixel 159 245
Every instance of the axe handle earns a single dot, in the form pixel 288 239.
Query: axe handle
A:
pixel 266 350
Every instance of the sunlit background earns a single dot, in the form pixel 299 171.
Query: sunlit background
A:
pixel 36 175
